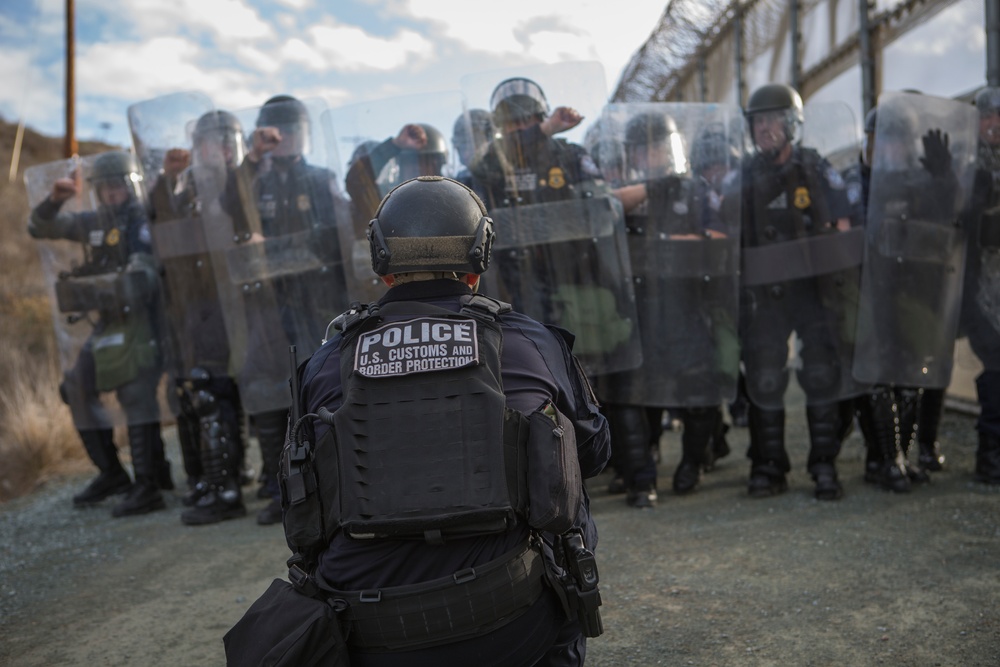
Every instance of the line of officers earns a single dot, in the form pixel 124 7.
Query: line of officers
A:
pixel 701 255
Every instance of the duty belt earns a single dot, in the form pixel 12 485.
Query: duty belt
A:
pixel 470 602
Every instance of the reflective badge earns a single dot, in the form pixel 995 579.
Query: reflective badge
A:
pixel 779 202
pixel 680 208
pixel 557 178
pixel 424 345
pixel 834 178
pixel 113 237
pixel 145 236
pixel 801 198
pixel 303 203
pixel 97 237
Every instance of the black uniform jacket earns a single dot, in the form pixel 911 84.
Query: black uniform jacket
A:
pixel 535 368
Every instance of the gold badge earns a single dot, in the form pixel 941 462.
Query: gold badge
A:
pixel 113 237
pixel 303 203
pixel 802 198
pixel 557 178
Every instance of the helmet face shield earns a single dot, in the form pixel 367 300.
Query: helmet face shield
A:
pixel 653 147
pixel 516 100
pixel 218 141
pixel 291 118
pixel 115 179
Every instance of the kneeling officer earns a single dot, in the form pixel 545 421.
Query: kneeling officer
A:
pixel 434 488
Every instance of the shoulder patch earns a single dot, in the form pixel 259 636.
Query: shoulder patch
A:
pixel 834 178
pixel 423 345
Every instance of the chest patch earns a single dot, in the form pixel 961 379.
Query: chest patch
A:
pixel 423 345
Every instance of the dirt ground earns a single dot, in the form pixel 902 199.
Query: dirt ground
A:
pixel 714 578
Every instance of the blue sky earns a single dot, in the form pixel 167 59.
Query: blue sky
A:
pixel 240 52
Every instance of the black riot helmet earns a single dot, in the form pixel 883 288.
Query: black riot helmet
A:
pixel 289 115
pixel 430 223
pixel 895 137
pixel 471 130
pixel 222 129
pixel 988 101
pixel 518 99
pixel 653 146
pixel 711 147
pixel 116 168
pixel 426 161
pixel 777 97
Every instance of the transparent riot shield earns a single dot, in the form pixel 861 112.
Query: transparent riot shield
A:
pixel 89 217
pixel 684 257
pixel 279 265
pixel 561 253
pixel 801 263
pixel 915 245
pixel 386 149
pixel 174 136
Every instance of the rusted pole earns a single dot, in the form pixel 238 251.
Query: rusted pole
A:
pixel 70 147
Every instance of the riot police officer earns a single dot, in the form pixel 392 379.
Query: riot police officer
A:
pixel 118 280
pixel 209 415
pixel 471 132
pixel 911 281
pixel 428 504
pixel 791 197
pixel 526 163
pixel 981 308
pixel 418 149
pixel 687 307
pixel 276 195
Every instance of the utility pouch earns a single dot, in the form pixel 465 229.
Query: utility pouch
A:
pixel 123 350
pixel 555 484
pixel 284 628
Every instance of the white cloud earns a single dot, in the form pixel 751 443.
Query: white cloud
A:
pixel 229 21
pixel 350 49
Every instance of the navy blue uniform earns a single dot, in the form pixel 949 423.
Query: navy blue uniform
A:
pixel 535 368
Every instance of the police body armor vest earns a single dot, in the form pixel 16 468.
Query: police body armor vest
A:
pixel 789 202
pixel 423 445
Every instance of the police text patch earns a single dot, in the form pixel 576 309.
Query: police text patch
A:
pixel 423 345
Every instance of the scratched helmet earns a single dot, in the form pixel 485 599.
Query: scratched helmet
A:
pixel 430 223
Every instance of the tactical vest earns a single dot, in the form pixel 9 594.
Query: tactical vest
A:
pixel 423 445
pixel 788 202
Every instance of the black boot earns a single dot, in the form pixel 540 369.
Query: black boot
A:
pixel 825 429
pixel 630 436
pixel 929 453
pixel 988 459
pixel 866 420
pixel 271 428
pixel 223 498
pixel 188 437
pixel 144 497
pixel 769 460
pixel 112 478
pixel 719 446
pixel 908 411
pixel 700 425
pixel 879 412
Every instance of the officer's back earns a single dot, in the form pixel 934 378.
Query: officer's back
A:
pixel 430 240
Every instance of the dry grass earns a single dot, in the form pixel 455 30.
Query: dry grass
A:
pixel 37 438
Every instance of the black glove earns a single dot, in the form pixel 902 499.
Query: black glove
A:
pixel 937 157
